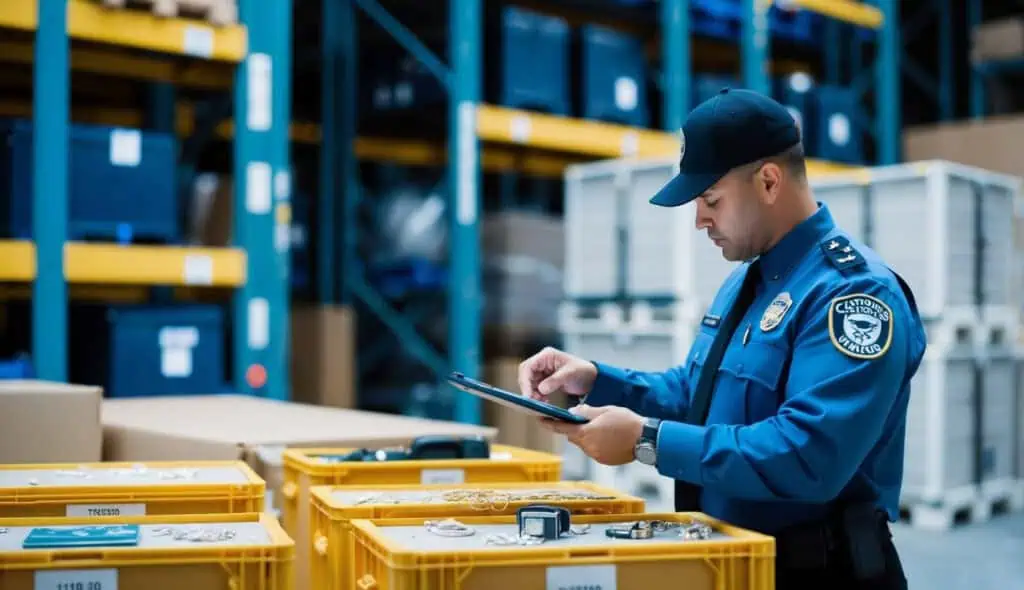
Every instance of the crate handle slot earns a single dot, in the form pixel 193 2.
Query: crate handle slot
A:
pixel 963 335
pixel 79 557
pixel 588 552
pixel 367 582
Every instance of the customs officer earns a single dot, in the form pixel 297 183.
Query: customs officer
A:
pixel 788 415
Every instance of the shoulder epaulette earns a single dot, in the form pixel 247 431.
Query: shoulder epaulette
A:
pixel 841 254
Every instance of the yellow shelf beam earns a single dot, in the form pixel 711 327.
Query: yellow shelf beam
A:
pixel 89 21
pixel 847 11
pixel 111 264
pixel 591 138
pixel 196 74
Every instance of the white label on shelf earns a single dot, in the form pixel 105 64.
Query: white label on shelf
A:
pixel 198 269
pixel 581 577
pixel 467 154
pixel 125 147
pixel 282 237
pixel 198 41
pixel 520 129
pixel 630 143
pixel 99 510
pixel 258 187
pixel 260 107
pixel 88 579
pixel 259 323
pixel 442 476
pixel 626 93
pixel 282 185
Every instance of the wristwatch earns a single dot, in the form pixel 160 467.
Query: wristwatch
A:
pixel 646 448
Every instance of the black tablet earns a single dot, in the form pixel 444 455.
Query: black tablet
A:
pixel 513 400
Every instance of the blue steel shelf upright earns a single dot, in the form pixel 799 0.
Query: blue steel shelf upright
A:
pixel 262 172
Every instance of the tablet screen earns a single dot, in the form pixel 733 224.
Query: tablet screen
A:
pixel 513 400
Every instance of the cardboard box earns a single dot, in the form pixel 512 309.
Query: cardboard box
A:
pixel 992 143
pixel 323 358
pixel 48 422
pixel 517 428
pixel 998 40
pixel 253 429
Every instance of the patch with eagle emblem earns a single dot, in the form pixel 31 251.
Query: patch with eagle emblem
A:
pixel 860 326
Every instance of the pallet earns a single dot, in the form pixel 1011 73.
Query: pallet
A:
pixel 965 506
pixel 218 12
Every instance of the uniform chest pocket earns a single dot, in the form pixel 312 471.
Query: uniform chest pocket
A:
pixel 757 369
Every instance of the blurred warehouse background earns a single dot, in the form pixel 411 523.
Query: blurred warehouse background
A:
pixel 337 201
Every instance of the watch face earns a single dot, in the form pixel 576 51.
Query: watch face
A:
pixel 645 454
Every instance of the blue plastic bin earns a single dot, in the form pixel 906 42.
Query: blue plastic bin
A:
pixel 796 93
pixel 707 85
pixel 614 77
pixel 19 367
pixel 121 183
pixel 149 350
pixel 535 62
pixel 838 137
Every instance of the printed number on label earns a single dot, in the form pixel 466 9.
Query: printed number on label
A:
pixel 105 579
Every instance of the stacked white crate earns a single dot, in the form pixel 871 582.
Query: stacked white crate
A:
pixel 948 230
pixel 637 281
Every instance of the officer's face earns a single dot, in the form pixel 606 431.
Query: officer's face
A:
pixel 731 212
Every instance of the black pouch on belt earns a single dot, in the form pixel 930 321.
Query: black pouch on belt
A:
pixel 864 535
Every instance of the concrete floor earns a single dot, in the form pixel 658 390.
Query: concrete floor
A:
pixel 986 556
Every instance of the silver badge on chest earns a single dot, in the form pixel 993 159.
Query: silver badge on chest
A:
pixel 775 311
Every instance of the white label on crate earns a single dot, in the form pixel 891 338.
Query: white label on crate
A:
pixel 88 579
pixel 259 323
pixel 260 107
pixel 178 337
pixel 839 129
pixel 467 154
pixel 198 41
pixel 626 94
pixel 442 476
pixel 258 188
pixel 198 269
pixel 100 510
pixel 581 577
pixel 176 363
pixel 282 185
pixel 501 456
pixel 520 129
pixel 125 147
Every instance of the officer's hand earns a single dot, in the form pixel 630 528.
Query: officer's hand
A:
pixel 552 370
pixel 608 438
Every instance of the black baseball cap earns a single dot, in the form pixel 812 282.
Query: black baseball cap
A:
pixel 732 128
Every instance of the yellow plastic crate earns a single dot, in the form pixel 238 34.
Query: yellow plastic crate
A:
pixel 307 467
pixel 334 507
pixel 258 557
pixel 400 554
pixel 52 490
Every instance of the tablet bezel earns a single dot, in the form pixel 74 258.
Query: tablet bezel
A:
pixel 513 400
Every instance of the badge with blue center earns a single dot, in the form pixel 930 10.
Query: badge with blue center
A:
pixel 860 326
pixel 775 311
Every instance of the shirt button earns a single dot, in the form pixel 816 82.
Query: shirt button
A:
pixel 739 367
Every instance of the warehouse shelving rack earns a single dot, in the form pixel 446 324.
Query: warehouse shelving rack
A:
pixel 523 141
pixel 983 72
pixel 257 54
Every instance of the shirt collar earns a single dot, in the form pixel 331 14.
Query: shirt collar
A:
pixel 783 256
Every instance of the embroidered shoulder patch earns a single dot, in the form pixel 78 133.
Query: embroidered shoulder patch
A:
pixel 860 326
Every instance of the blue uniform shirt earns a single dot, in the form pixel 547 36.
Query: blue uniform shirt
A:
pixel 811 397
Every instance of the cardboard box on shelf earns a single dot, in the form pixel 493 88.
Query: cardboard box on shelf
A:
pixel 323 359
pixel 516 428
pixel 991 143
pixel 48 422
pixel 998 40
pixel 253 429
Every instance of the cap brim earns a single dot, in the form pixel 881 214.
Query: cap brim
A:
pixel 684 188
